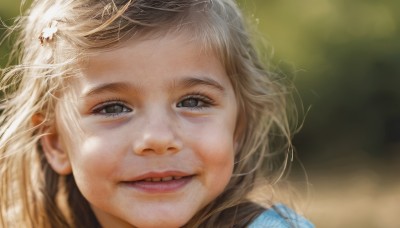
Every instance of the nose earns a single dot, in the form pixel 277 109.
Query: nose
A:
pixel 158 135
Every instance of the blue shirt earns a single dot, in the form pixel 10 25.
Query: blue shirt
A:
pixel 280 216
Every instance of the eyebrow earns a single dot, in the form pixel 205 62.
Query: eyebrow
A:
pixel 108 87
pixel 124 86
pixel 196 81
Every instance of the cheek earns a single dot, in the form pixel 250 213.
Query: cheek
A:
pixel 215 141
pixel 93 160
pixel 100 151
pixel 218 158
pixel 214 145
pixel 218 150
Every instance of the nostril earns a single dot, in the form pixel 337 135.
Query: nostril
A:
pixel 147 150
pixel 173 149
pixel 158 148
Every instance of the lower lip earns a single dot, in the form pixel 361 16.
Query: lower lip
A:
pixel 161 186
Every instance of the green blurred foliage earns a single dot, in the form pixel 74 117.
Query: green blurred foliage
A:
pixel 8 12
pixel 345 58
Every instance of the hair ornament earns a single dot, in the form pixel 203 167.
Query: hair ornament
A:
pixel 47 34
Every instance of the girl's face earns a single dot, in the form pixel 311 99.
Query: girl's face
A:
pixel 156 140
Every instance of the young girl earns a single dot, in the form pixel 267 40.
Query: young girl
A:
pixel 140 113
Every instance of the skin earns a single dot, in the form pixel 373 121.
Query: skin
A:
pixel 153 106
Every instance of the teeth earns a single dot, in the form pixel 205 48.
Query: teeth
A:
pixel 158 179
pixel 166 178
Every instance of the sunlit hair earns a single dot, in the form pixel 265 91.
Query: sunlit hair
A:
pixel 31 193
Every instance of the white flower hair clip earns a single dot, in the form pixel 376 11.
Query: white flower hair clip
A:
pixel 47 34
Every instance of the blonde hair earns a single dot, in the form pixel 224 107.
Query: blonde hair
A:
pixel 30 190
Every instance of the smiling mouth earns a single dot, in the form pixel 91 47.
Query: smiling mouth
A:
pixel 159 183
pixel 162 179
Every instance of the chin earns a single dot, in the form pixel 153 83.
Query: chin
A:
pixel 163 224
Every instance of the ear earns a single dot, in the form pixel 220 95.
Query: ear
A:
pixel 56 155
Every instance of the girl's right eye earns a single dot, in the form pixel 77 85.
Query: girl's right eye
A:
pixel 111 109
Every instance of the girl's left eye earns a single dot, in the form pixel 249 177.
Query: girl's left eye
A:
pixel 111 109
pixel 195 102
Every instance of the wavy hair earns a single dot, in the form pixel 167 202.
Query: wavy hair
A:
pixel 33 195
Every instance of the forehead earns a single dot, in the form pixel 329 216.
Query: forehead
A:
pixel 146 59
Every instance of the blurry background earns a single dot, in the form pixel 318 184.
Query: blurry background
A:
pixel 345 60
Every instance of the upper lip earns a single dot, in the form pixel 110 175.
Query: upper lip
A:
pixel 159 175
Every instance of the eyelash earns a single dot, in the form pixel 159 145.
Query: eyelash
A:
pixel 199 97
pixel 101 108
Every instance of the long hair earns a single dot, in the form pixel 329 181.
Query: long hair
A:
pixel 33 195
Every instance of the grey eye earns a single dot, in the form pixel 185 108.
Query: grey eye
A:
pixel 190 103
pixel 115 108
pixel 111 108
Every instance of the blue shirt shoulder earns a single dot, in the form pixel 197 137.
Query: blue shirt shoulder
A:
pixel 280 216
